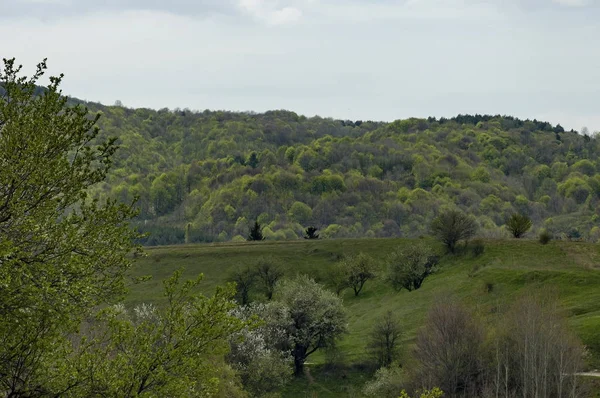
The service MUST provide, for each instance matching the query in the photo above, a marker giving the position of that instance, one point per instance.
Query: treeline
(215, 173)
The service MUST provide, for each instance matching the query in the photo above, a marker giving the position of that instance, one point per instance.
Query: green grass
(509, 267)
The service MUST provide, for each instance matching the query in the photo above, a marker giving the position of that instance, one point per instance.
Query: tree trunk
(299, 358)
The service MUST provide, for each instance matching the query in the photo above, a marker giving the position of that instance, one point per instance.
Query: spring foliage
(61, 253)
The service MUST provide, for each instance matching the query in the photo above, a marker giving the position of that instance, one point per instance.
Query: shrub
(477, 247)
(574, 234)
(387, 383)
(408, 268)
(453, 226)
(545, 237)
(518, 225)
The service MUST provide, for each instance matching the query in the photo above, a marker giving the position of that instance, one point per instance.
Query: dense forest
(207, 176)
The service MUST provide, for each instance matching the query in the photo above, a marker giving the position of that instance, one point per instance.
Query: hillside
(205, 176)
(487, 283)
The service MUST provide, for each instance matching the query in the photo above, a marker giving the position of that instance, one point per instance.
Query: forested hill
(205, 176)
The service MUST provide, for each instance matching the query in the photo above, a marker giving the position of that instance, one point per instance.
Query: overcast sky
(351, 59)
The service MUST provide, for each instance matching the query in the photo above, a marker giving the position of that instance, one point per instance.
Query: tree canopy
(62, 253)
(347, 178)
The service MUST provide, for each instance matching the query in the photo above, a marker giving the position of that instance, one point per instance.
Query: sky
(349, 59)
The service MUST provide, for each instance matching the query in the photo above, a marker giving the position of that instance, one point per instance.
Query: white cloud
(271, 12)
(284, 16)
(49, 2)
(572, 3)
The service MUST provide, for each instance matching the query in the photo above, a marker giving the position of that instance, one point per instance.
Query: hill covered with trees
(208, 176)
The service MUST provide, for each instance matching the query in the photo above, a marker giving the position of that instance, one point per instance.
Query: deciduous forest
(208, 176)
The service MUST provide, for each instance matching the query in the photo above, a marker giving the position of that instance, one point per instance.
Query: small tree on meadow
(256, 232)
(358, 270)
(408, 268)
(269, 272)
(311, 233)
(518, 225)
(453, 226)
(384, 340)
(244, 279)
(318, 317)
(337, 277)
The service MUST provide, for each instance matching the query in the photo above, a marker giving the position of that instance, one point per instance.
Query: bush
(477, 247)
(408, 268)
(545, 237)
(573, 234)
(452, 227)
(449, 350)
(387, 383)
(518, 225)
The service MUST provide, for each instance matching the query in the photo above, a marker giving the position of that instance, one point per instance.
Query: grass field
(487, 283)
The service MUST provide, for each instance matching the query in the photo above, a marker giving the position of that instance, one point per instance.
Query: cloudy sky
(351, 59)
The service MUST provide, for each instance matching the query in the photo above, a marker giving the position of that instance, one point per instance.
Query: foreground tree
(407, 268)
(61, 253)
(318, 317)
(449, 350)
(453, 226)
(261, 353)
(518, 225)
(175, 351)
(536, 353)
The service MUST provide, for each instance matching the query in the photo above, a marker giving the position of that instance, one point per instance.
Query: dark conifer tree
(256, 232)
(311, 233)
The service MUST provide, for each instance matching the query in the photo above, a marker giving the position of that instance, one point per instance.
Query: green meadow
(487, 283)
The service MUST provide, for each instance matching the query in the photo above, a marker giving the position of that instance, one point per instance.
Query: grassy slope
(512, 267)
